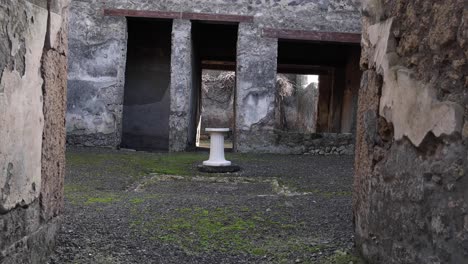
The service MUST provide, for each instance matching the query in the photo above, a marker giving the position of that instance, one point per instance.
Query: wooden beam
(142, 13)
(352, 38)
(178, 15)
(303, 69)
(219, 65)
(217, 17)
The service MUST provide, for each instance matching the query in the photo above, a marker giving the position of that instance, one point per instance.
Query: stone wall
(411, 183)
(33, 69)
(217, 100)
(98, 56)
(98, 50)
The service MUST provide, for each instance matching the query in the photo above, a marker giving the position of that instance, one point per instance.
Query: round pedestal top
(217, 129)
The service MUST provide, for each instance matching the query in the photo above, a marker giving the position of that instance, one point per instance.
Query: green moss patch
(103, 199)
(229, 230)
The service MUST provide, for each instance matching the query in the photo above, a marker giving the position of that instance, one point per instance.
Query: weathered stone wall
(98, 50)
(324, 144)
(411, 179)
(296, 109)
(33, 69)
(217, 100)
(98, 54)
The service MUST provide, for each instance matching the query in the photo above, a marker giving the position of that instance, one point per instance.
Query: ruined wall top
(319, 15)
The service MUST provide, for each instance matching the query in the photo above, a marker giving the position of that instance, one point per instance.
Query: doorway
(147, 79)
(215, 52)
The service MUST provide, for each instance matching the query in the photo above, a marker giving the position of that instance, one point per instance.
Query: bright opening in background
(217, 105)
(309, 79)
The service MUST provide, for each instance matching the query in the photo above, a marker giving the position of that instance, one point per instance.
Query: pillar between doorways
(181, 85)
(255, 91)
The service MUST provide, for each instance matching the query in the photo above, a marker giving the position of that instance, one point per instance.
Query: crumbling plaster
(410, 105)
(410, 203)
(21, 115)
(33, 56)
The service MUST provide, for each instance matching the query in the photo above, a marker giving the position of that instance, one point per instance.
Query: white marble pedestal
(217, 158)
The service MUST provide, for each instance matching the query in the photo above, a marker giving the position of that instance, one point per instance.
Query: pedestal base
(217, 163)
(222, 169)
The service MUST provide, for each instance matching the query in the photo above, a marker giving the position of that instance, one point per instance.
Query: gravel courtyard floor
(138, 207)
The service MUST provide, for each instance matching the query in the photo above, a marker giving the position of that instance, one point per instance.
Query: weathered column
(33, 70)
(411, 181)
(256, 87)
(181, 85)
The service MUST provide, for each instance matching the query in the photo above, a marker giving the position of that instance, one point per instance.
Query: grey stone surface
(287, 142)
(256, 86)
(296, 104)
(96, 75)
(98, 56)
(181, 84)
(217, 100)
(25, 238)
(323, 15)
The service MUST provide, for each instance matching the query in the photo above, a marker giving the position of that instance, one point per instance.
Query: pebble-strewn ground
(136, 207)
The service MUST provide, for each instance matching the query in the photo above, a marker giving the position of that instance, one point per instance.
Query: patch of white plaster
(54, 28)
(21, 120)
(14, 40)
(410, 105)
(83, 124)
(257, 107)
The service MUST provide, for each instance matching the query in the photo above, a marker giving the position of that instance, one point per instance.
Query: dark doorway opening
(215, 55)
(147, 79)
(337, 68)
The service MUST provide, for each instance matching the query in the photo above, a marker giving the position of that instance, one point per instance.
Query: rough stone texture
(256, 83)
(181, 84)
(96, 74)
(217, 100)
(410, 202)
(25, 238)
(54, 70)
(287, 142)
(296, 104)
(98, 55)
(289, 132)
(32, 135)
(322, 15)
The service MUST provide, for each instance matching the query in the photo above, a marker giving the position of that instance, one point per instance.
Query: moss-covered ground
(117, 202)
